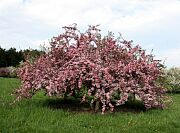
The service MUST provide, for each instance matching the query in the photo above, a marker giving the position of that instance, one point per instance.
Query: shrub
(8, 72)
(12, 72)
(111, 69)
(171, 79)
(4, 72)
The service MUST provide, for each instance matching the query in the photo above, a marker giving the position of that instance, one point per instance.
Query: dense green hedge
(12, 57)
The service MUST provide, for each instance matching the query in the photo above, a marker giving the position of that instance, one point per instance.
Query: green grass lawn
(41, 114)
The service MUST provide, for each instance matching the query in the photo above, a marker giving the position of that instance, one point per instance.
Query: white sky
(154, 24)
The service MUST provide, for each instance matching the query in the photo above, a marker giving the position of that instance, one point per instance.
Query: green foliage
(3, 61)
(12, 57)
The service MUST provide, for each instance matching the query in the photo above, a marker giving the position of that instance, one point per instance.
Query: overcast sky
(154, 24)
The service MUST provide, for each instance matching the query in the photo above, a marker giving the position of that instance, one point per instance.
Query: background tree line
(12, 57)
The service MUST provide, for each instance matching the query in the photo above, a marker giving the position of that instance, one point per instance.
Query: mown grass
(43, 115)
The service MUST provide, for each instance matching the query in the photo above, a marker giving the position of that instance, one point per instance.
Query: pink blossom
(111, 67)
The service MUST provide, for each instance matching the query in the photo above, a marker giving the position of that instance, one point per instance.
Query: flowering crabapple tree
(105, 70)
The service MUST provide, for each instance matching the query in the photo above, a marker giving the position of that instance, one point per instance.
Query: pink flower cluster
(110, 68)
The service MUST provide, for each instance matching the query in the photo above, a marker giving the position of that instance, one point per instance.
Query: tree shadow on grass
(132, 107)
(74, 105)
(70, 105)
